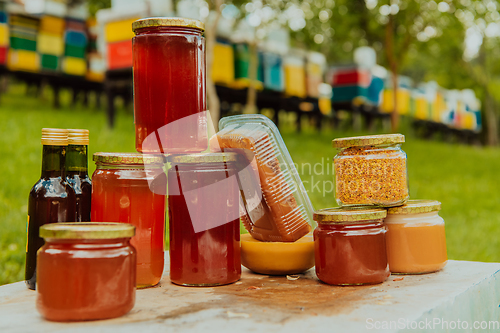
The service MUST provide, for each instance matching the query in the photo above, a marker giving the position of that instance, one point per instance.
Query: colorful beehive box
(242, 67)
(295, 74)
(315, 72)
(223, 64)
(272, 71)
(23, 60)
(74, 66)
(119, 31)
(119, 55)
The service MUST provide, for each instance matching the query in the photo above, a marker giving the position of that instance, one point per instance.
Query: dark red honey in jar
(349, 246)
(128, 188)
(86, 271)
(203, 208)
(169, 85)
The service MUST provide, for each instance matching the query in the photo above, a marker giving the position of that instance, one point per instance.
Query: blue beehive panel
(348, 93)
(3, 17)
(272, 71)
(374, 90)
(76, 38)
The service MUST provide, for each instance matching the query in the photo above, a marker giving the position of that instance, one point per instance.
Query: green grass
(465, 179)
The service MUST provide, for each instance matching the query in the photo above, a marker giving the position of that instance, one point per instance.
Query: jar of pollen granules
(371, 170)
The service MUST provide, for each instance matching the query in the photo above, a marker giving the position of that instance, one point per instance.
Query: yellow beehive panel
(4, 34)
(22, 60)
(403, 96)
(438, 107)
(74, 66)
(94, 76)
(223, 64)
(119, 31)
(52, 25)
(387, 103)
(421, 108)
(295, 81)
(50, 44)
(325, 105)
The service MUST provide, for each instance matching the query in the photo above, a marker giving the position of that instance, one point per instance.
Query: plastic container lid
(276, 202)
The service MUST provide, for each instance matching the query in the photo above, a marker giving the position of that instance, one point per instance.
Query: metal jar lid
(415, 207)
(341, 215)
(87, 230)
(368, 140)
(204, 158)
(128, 158)
(167, 22)
(78, 136)
(54, 137)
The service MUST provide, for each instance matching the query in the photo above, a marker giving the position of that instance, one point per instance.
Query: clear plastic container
(371, 170)
(416, 239)
(276, 203)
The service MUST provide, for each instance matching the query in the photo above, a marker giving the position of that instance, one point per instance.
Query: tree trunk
(252, 75)
(211, 39)
(391, 57)
(491, 120)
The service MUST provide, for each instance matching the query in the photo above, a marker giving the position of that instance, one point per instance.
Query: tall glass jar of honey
(204, 223)
(169, 85)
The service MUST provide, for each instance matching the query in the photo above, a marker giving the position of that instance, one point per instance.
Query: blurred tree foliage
(426, 40)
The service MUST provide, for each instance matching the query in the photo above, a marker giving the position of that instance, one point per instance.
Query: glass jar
(349, 246)
(86, 271)
(416, 240)
(169, 85)
(130, 188)
(203, 210)
(371, 170)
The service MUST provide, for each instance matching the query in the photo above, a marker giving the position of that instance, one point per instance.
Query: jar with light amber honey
(416, 240)
(130, 188)
(85, 271)
(371, 170)
(349, 246)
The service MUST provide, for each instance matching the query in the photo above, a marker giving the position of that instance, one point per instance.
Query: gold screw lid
(368, 140)
(54, 137)
(204, 158)
(415, 207)
(78, 136)
(128, 158)
(167, 22)
(342, 215)
(87, 230)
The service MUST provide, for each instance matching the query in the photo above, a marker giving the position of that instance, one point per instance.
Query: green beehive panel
(242, 63)
(22, 44)
(74, 51)
(50, 62)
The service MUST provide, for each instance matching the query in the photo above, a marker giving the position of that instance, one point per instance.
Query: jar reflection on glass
(130, 188)
(203, 207)
(86, 271)
(350, 246)
(169, 85)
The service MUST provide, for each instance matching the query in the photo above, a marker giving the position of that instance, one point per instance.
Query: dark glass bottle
(77, 172)
(51, 199)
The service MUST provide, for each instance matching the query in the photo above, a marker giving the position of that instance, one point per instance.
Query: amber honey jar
(204, 219)
(349, 246)
(416, 239)
(130, 188)
(371, 170)
(86, 271)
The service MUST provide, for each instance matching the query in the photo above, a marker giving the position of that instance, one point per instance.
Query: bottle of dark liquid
(76, 172)
(51, 199)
